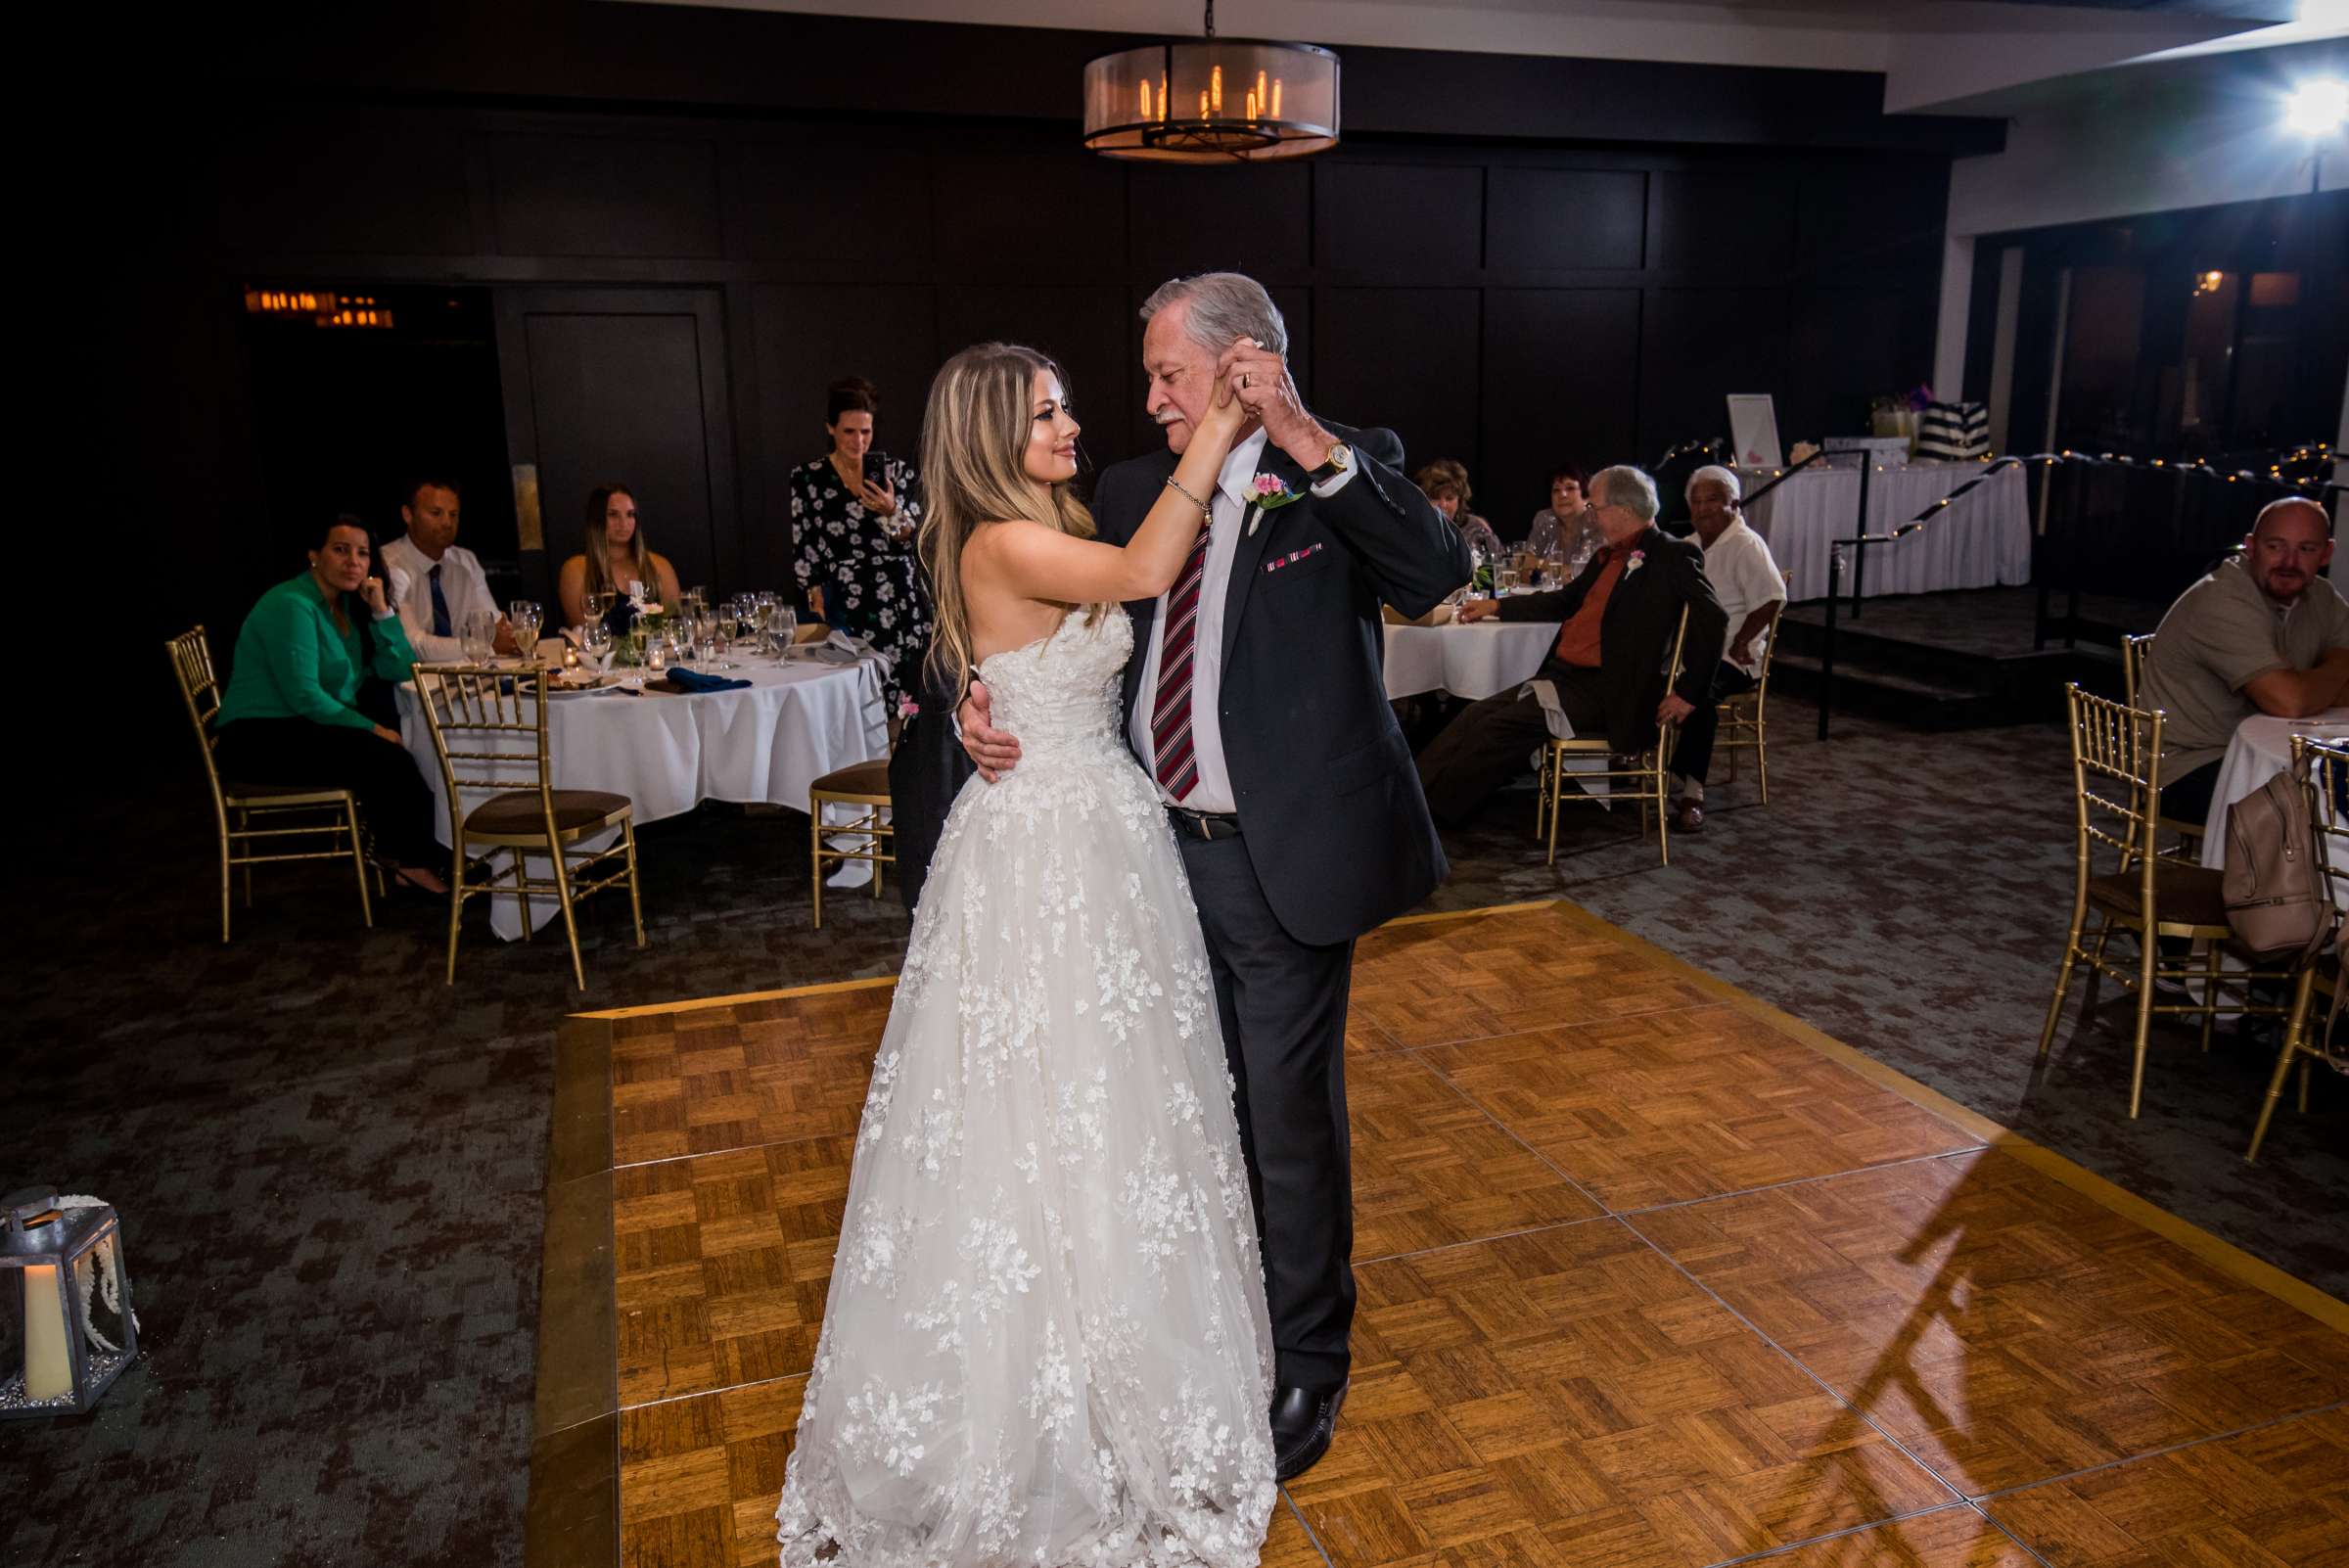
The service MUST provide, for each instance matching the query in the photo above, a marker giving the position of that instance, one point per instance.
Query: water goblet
(782, 626)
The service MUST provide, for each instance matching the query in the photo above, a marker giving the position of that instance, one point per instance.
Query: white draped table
(2261, 749)
(1980, 542)
(1471, 661)
(764, 743)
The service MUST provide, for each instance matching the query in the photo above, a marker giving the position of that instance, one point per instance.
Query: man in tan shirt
(2262, 634)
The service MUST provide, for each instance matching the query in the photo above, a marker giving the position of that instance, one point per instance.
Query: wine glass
(595, 645)
(526, 618)
(477, 636)
(1504, 579)
(598, 602)
(782, 626)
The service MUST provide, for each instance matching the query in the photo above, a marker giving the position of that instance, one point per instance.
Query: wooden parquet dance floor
(1649, 1276)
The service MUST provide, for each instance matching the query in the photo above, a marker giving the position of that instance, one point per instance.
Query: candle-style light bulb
(1215, 90)
(1252, 107)
(1161, 96)
(1203, 103)
(1262, 97)
(1145, 100)
(1277, 98)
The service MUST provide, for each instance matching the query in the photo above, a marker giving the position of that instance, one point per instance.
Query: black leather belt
(1203, 824)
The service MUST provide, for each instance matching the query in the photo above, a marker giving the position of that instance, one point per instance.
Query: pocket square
(1292, 558)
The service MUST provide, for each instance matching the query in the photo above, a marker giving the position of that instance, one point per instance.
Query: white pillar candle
(48, 1369)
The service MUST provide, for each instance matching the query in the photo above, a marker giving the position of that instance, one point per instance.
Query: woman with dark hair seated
(1567, 528)
(290, 713)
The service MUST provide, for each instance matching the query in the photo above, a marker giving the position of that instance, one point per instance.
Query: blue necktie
(440, 623)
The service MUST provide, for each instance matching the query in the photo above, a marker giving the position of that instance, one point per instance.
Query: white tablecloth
(1467, 660)
(2261, 749)
(764, 743)
(1981, 541)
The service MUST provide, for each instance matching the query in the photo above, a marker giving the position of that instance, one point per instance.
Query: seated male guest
(436, 582)
(2261, 634)
(1752, 591)
(1609, 663)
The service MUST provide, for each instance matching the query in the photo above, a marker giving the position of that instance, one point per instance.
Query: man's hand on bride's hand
(992, 750)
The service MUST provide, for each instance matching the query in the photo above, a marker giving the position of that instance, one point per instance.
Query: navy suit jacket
(1328, 798)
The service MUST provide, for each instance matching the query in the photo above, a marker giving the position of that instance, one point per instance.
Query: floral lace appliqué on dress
(1045, 1344)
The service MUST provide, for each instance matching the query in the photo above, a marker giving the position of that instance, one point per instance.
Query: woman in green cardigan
(289, 714)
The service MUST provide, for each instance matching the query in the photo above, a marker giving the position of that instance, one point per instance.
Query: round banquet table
(1471, 661)
(764, 743)
(2261, 749)
(1981, 541)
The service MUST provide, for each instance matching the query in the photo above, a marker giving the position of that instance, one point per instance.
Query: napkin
(693, 680)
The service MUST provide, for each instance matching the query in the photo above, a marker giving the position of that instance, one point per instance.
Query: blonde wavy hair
(974, 444)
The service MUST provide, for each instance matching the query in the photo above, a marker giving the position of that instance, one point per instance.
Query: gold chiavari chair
(2322, 769)
(256, 821)
(2135, 650)
(2116, 791)
(488, 727)
(864, 789)
(1644, 781)
(1743, 725)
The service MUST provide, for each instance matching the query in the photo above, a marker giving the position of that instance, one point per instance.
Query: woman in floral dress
(854, 512)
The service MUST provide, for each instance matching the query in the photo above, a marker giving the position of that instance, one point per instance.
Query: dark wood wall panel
(346, 183)
(1737, 221)
(1398, 219)
(1254, 220)
(1402, 358)
(808, 335)
(1697, 346)
(1560, 381)
(832, 200)
(606, 195)
(1566, 217)
(1029, 216)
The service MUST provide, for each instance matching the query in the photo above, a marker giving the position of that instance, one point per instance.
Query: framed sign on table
(1754, 430)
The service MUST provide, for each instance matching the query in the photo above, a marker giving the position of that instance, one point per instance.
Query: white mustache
(1173, 416)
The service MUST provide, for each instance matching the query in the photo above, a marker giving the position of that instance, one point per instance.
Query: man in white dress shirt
(1752, 591)
(438, 582)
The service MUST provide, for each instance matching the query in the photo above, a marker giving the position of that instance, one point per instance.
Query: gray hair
(1224, 305)
(1714, 474)
(1628, 487)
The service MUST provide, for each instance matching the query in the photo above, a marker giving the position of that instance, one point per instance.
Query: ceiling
(1940, 56)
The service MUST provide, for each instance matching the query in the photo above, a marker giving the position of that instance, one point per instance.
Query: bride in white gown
(1045, 1342)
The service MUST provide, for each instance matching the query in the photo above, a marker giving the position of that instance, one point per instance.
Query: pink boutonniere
(1267, 492)
(907, 708)
(1638, 559)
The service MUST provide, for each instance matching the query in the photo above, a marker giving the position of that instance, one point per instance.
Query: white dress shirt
(1213, 792)
(1744, 579)
(463, 584)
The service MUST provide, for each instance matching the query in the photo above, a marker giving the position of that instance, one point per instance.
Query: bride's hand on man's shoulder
(992, 751)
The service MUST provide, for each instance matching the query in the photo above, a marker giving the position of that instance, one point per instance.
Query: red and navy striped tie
(1171, 707)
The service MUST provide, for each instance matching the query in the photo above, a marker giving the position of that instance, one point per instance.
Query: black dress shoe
(1302, 1420)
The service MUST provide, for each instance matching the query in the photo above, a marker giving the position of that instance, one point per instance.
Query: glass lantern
(66, 1329)
(1212, 101)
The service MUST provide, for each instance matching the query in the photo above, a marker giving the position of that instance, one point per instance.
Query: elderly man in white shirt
(1752, 589)
(435, 582)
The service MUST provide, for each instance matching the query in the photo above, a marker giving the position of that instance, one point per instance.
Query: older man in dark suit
(1608, 663)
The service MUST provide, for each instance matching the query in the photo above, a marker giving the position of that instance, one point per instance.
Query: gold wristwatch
(1340, 458)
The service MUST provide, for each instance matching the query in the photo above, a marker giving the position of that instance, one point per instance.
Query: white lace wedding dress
(1045, 1342)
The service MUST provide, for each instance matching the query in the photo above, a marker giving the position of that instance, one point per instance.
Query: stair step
(1861, 670)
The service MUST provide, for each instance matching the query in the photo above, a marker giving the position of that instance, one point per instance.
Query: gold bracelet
(1205, 516)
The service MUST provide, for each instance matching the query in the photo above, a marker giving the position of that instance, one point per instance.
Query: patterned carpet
(330, 1165)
